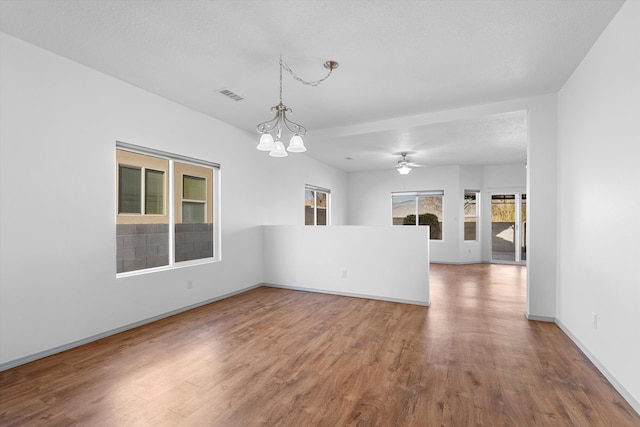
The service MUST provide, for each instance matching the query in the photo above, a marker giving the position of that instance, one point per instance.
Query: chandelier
(274, 146)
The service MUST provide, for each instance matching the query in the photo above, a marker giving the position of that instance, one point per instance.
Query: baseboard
(635, 404)
(539, 318)
(59, 349)
(349, 294)
(457, 262)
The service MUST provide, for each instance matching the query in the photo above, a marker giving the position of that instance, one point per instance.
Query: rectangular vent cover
(230, 94)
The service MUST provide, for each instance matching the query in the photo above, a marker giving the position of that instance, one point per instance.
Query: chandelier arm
(294, 127)
(269, 125)
(295, 77)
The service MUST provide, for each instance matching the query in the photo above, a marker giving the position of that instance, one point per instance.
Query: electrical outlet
(344, 274)
(594, 320)
(189, 284)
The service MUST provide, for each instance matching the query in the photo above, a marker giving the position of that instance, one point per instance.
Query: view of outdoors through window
(508, 218)
(144, 226)
(316, 205)
(471, 214)
(419, 208)
(508, 227)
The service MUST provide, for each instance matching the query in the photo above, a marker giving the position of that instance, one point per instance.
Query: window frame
(171, 197)
(315, 189)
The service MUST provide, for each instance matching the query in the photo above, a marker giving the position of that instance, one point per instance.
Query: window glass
(316, 206)
(144, 228)
(321, 208)
(430, 213)
(142, 225)
(418, 208)
(470, 226)
(309, 207)
(129, 191)
(471, 215)
(193, 213)
(404, 210)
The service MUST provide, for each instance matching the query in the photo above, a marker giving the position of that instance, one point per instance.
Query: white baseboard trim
(59, 349)
(457, 262)
(608, 375)
(539, 318)
(349, 294)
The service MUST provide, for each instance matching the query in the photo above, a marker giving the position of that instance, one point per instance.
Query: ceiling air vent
(230, 94)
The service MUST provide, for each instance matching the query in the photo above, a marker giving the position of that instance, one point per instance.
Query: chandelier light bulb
(296, 145)
(266, 143)
(279, 150)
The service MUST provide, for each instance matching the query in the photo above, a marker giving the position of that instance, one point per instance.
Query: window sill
(179, 265)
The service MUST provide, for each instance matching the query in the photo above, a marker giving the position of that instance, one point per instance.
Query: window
(471, 198)
(316, 205)
(419, 208)
(193, 211)
(155, 227)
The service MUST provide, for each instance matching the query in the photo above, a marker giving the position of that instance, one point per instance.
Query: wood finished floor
(285, 358)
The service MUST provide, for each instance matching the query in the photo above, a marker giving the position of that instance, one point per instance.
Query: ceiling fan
(404, 165)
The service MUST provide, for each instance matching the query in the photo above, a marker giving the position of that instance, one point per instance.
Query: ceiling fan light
(404, 169)
(296, 145)
(266, 143)
(279, 150)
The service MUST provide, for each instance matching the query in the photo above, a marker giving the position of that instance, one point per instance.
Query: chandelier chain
(280, 79)
(295, 77)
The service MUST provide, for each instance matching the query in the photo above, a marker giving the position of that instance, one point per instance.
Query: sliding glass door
(509, 227)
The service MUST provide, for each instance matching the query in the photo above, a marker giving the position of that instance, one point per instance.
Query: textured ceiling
(397, 58)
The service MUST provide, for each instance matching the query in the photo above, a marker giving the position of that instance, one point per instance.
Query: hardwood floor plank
(278, 357)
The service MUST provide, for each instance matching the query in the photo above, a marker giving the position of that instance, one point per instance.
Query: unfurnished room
(319, 213)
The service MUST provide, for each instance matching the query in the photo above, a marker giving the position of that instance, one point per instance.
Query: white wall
(504, 178)
(599, 177)
(58, 129)
(389, 263)
(542, 209)
(284, 186)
